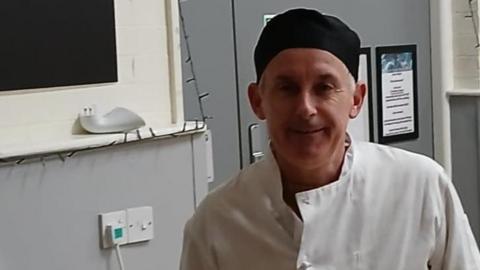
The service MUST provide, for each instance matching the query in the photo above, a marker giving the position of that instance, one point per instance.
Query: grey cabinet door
(378, 22)
(464, 119)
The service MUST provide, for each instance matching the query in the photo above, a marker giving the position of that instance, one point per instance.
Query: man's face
(306, 97)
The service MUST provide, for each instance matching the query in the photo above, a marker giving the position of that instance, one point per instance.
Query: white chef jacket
(390, 209)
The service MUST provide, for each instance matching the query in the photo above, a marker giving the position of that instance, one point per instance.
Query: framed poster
(361, 127)
(397, 93)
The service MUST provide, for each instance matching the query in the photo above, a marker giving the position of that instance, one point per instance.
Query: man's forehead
(297, 61)
(289, 77)
(307, 56)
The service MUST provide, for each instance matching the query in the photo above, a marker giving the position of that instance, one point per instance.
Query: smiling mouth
(311, 131)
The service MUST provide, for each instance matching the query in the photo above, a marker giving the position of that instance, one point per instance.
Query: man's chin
(309, 157)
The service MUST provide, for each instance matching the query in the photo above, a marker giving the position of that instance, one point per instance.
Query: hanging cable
(119, 257)
(69, 153)
(193, 79)
(474, 22)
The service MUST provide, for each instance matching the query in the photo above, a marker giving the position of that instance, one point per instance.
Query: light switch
(140, 224)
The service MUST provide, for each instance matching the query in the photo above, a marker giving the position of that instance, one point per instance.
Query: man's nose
(306, 105)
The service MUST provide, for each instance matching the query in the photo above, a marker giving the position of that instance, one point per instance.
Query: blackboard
(47, 43)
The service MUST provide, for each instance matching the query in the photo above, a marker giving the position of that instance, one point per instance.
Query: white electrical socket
(115, 219)
(140, 224)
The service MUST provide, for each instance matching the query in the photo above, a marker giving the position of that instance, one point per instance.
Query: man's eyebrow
(283, 78)
(326, 77)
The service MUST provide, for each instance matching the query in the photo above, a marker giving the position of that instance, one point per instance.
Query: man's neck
(296, 179)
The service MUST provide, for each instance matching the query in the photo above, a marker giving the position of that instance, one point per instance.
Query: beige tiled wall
(466, 57)
(45, 116)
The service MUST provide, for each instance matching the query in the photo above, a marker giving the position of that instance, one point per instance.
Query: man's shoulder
(388, 157)
(401, 171)
(238, 183)
(233, 194)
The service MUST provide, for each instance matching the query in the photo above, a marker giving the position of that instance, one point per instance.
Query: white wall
(49, 212)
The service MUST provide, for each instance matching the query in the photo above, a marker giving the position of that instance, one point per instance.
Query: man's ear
(358, 97)
(255, 98)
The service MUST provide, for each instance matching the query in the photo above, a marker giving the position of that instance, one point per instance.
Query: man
(319, 199)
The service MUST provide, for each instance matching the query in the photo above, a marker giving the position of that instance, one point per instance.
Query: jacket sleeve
(195, 255)
(455, 247)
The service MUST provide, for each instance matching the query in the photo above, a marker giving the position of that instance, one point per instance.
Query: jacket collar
(271, 178)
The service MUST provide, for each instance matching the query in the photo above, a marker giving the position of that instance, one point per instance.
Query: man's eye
(325, 87)
(287, 87)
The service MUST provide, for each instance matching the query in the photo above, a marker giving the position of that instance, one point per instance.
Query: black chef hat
(306, 28)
